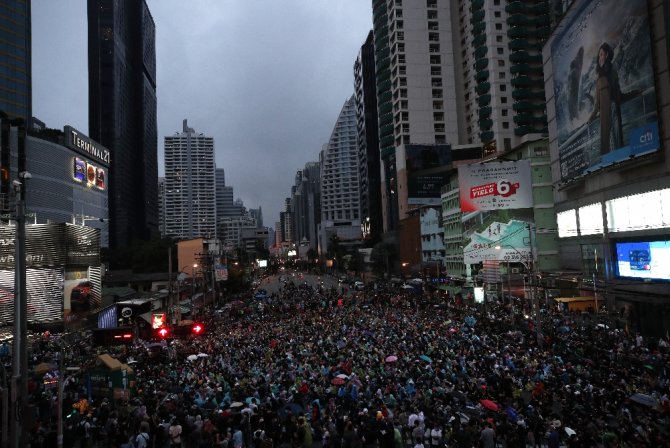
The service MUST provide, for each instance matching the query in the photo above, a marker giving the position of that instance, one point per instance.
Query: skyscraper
(122, 112)
(306, 204)
(15, 54)
(416, 85)
(368, 139)
(190, 188)
(340, 198)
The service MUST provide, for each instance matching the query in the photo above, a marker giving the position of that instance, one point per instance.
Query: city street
(311, 370)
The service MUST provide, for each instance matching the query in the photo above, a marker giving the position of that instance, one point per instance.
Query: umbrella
(192, 357)
(426, 358)
(563, 329)
(43, 368)
(202, 355)
(569, 431)
(343, 376)
(337, 381)
(293, 408)
(470, 321)
(236, 404)
(392, 358)
(644, 399)
(253, 400)
(488, 404)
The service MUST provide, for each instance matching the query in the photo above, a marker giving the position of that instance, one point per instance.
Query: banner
(495, 186)
(604, 89)
(500, 241)
(221, 272)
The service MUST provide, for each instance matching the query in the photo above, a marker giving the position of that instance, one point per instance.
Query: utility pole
(20, 334)
(533, 294)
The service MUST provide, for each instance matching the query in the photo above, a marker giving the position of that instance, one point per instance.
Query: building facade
(340, 198)
(368, 139)
(306, 204)
(122, 112)
(190, 186)
(611, 177)
(69, 184)
(15, 53)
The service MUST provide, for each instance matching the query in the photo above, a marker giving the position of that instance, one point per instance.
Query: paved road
(273, 283)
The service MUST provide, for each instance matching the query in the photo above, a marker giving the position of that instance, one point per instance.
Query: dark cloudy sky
(265, 78)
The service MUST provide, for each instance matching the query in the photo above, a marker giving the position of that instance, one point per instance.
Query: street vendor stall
(110, 379)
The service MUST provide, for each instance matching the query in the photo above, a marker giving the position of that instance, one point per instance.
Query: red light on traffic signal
(198, 329)
(163, 333)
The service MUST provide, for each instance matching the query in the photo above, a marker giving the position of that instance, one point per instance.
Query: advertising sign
(604, 88)
(495, 186)
(158, 320)
(425, 166)
(643, 259)
(221, 272)
(501, 241)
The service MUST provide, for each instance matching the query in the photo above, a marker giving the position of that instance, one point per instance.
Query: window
(499, 26)
(504, 112)
(503, 87)
(501, 75)
(499, 38)
(496, 14)
(501, 63)
(505, 125)
(503, 99)
(500, 50)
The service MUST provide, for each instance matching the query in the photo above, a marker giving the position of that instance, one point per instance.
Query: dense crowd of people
(382, 367)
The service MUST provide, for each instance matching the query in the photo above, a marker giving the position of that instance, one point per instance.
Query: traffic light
(163, 333)
(113, 336)
(197, 329)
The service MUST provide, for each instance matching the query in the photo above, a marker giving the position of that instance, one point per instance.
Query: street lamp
(531, 270)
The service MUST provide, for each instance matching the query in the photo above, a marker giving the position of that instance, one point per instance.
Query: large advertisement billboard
(604, 88)
(44, 290)
(495, 186)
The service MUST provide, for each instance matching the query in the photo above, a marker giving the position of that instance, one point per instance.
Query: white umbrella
(343, 376)
(569, 431)
(192, 357)
(236, 404)
(202, 355)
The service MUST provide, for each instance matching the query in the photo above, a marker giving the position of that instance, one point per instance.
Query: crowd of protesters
(383, 367)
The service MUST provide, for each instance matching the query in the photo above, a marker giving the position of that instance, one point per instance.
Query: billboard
(643, 259)
(604, 90)
(502, 237)
(495, 186)
(426, 166)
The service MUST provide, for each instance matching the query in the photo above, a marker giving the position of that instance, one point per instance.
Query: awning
(575, 299)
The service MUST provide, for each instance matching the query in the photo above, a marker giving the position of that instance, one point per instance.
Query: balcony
(483, 88)
(477, 17)
(478, 28)
(482, 75)
(527, 81)
(486, 136)
(520, 94)
(481, 64)
(484, 100)
(526, 106)
(479, 40)
(485, 124)
(526, 69)
(480, 52)
(477, 5)
(523, 56)
(485, 112)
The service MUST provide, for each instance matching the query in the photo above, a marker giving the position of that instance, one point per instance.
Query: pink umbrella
(392, 358)
(337, 381)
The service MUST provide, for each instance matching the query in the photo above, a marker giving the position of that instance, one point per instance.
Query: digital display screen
(643, 259)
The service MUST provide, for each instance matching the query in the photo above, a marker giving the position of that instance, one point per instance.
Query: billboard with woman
(604, 88)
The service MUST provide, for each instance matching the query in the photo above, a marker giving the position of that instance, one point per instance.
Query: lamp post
(531, 270)
(20, 335)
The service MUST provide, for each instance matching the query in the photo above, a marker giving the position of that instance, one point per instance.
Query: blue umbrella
(563, 329)
(470, 321)
(426, 358)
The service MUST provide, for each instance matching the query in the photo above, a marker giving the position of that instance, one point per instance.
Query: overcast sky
(266, 78)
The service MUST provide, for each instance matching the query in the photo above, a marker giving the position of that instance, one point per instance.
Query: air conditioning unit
(514, 270)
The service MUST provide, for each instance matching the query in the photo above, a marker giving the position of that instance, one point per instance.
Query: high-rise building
(161, 205)
(122, 112)
(340, 198)
(15, 54)
(368, 139)
(500, 63)
(190, 188)
(416, 85)
(306, 204)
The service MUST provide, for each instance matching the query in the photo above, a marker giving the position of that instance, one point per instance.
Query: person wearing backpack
(142, 439)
